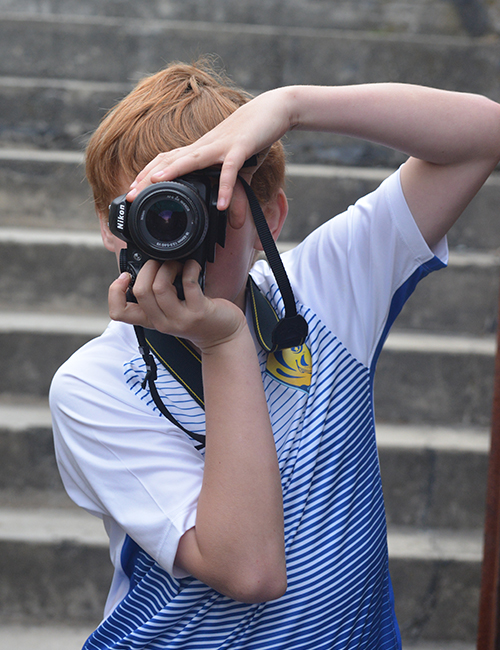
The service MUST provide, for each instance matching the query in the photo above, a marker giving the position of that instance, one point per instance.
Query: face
(227, 276)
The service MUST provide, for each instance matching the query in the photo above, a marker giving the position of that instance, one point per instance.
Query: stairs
(64, 63)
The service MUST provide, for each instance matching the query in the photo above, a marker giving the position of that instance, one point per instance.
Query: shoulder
(348, 270)
(103, 354)
(92, 384)
(107, 434)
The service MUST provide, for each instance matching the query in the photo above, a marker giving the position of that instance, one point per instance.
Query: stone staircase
(64, 63)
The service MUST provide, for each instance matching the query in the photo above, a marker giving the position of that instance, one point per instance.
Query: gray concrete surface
(426, 16)
(97, 48)
(59, 73)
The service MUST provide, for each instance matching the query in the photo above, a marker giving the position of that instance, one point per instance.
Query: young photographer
(273, 535)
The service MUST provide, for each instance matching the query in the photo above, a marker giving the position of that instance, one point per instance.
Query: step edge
(92, 238)
(40, 323)
(437, 438)
(60, 525)
(143, 25)
(406, 543)
(397, 341)
(21, 416)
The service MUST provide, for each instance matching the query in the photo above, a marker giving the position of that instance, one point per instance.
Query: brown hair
(167, 110)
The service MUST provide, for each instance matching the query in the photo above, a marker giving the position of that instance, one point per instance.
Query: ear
(108, 238)
(275, 211)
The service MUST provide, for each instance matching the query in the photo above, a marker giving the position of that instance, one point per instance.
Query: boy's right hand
(237, 544)
(204, 321)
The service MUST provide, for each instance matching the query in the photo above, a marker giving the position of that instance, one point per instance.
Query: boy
(274, 535)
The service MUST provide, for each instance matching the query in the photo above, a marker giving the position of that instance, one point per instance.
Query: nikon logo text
(120, 221)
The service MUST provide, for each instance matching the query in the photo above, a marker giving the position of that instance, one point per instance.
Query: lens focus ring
(168, 220)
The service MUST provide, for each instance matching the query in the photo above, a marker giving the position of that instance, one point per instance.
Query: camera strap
(184, 363)
(169, 350)
(273, 333)
(290, 331)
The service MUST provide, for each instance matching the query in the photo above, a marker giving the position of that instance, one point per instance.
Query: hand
(249, 131)
(205, 322)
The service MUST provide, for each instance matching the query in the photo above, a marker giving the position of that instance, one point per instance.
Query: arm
(237, 544)
(453, 140)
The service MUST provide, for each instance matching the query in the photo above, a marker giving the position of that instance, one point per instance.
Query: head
(171, 109)
(167, 110)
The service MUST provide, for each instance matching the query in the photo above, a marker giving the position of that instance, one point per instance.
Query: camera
(171, 220)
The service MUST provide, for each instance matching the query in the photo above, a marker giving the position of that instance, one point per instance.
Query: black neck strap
(273, 333)
(290, 331)
(150, 377)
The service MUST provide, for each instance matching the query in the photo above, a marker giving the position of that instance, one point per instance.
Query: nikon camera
(173, 220)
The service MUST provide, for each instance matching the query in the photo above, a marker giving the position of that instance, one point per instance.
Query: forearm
(435, 125)
(237, 545)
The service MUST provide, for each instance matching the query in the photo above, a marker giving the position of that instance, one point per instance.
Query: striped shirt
(350, 278)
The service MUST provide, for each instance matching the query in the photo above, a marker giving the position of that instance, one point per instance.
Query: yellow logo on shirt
(292, 366)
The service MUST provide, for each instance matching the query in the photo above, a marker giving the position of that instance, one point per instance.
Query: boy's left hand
(204, 321)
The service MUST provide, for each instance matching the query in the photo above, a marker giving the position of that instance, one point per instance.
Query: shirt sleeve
(119, 458)
(349, 270)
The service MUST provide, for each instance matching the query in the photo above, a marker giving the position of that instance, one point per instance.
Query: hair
(167, 110)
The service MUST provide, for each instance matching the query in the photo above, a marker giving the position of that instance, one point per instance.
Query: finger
(154, 285)
(157, 295)
(228, 176)
(138, 185)
(190, 283)
(189, 159)
(158, 162)
(147, 176)
(164, 286)
(239, 207)
(122, 310)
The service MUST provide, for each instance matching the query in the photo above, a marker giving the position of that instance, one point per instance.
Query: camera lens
(166, 221)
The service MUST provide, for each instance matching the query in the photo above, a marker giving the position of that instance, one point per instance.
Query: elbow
(492, 127)
(256, 585)
(245, 577)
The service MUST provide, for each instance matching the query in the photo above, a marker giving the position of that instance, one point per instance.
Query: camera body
(171, 220)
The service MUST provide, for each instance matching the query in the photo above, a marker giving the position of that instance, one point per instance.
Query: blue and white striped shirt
(350, 278)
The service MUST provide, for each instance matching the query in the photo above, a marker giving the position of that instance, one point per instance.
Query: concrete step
(318, 192)
(461, 299)
(42, 189)
(119, 50)
(436, 379)
(62, 271)
(46, 637)
(53, 113)
(434, 477)
(429, 16)
(62, 558)
(60, 114)
(59, 271)
(33, 346)
(28, 474)
(54, 565)
(423, 468)
(45, 189)
(436, 577)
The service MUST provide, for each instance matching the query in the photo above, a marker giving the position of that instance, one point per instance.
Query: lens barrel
(169, 221)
